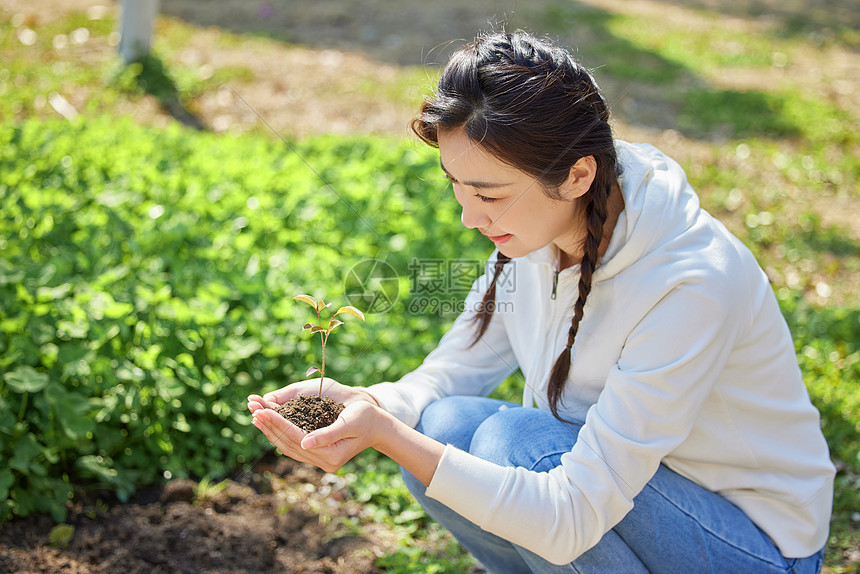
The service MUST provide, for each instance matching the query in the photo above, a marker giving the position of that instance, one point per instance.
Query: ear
(579, 180)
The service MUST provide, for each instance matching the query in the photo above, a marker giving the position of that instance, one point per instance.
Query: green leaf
(7, 417)
(25, 451)
(53, 293)
(26, 379)
(116, 310)
(25, 501)
(61, 535)
(306, 299)
(96, 466)
(70, 409)
(333, 324)
(9, 274)
(7, 479)
(351, 310)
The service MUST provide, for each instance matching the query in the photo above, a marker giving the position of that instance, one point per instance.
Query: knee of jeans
(499, 438)
(442, 419)
(528, 438)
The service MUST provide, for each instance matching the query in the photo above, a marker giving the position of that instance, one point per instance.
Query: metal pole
(136, 28)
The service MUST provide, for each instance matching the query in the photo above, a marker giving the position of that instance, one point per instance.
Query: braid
(485, 312)
(596, 210)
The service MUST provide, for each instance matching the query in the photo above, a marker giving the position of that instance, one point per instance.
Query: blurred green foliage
(146, 279)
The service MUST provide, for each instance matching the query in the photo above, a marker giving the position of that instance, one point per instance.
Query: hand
(362, 424)
(328, 448)
(331, 388)
(357, 428)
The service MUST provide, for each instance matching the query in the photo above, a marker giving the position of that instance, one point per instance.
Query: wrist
(385, 431)
(407, 447)
(371, 398)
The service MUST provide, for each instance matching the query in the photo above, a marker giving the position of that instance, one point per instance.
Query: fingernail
(309, 442)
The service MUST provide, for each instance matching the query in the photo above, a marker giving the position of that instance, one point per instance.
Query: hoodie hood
(659, 205)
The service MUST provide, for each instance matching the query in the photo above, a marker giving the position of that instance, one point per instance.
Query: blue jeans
(676, 526)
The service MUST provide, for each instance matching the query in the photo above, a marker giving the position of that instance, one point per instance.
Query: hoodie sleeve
(648, 406)
(454, 367)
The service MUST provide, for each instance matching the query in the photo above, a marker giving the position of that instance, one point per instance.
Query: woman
(673, 431)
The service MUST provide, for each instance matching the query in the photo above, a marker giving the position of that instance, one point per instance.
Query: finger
(284, 394)
(327, 436)
(276, 422)
(255, 404)
(261, 402)
(282, 433)
(349, 424)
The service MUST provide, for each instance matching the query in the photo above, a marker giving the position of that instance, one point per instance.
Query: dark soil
(310, 412)
(284, 517)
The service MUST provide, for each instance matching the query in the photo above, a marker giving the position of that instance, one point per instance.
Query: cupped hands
(359, 426)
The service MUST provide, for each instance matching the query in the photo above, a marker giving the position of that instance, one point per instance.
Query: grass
(774, 156)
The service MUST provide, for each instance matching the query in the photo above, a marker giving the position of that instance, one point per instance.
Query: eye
(486, 199)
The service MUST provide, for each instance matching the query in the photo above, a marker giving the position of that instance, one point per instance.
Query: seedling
(324, 332)
(310, 412)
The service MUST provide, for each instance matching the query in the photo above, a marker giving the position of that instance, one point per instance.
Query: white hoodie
(682, 357)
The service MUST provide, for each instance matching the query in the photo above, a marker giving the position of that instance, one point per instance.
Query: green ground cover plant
(146, 280)
(145, 274)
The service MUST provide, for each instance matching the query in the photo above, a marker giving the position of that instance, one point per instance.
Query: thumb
(326, 436)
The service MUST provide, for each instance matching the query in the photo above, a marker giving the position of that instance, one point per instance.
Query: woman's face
(508, 205)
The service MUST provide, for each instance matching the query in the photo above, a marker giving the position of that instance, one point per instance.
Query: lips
(498, 238)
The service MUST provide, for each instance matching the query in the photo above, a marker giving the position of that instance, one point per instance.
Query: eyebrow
(477, 184)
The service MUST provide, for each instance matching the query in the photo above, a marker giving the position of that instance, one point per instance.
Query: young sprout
(324, 331)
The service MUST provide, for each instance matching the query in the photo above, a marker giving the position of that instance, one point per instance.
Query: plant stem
(324, 338)
(23, 407)
(323, 341)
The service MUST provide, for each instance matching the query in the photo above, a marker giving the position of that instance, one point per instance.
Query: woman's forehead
(464, 159)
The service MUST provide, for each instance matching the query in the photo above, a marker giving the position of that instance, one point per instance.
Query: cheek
(549, 222)
(535, 220)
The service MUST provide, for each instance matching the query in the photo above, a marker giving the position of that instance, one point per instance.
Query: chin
(509, 252)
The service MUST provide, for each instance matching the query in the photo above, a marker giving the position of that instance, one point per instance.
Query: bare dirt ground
(284, 517)
(326, 76)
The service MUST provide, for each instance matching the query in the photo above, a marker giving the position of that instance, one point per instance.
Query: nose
(473, 215)
(472, 219)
